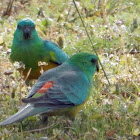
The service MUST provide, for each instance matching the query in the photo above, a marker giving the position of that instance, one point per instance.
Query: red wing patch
(45, 87)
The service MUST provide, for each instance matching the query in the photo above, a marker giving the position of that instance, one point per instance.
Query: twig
(132, 51)
(39, 129)
(28, 73)
(20, 85)
(91, 41)
(9, 8)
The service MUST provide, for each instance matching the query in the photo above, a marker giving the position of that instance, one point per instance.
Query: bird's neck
(89, 73)
(29, 43)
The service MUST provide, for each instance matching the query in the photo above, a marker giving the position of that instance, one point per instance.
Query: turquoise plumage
(60, 91)
(30, 48)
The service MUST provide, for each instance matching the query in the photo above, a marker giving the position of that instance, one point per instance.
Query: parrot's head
(25, 30)
(87, 62)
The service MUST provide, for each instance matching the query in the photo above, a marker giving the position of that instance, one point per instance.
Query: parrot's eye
(18, 26)
(93, 60)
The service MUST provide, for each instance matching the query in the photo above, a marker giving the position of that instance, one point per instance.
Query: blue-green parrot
(60, 91)
(29, 48)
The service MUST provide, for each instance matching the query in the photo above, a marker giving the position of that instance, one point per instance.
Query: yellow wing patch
(53, 56)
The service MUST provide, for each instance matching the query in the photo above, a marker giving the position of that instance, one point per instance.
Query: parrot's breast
(35, 73)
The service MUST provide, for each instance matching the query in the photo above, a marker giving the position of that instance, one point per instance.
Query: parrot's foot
(44, 120)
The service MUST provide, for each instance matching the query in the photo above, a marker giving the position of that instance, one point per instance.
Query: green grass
(113, 112)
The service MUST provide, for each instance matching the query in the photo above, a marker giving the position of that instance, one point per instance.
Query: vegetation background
(113, 112)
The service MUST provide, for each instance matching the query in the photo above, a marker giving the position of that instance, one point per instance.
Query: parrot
(30, 49)
(62, 90)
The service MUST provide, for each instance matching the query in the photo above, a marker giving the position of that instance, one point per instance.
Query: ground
(113, 111)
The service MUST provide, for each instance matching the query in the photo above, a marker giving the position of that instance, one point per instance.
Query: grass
(113, 112)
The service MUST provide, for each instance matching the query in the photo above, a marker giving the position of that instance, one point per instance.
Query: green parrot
(30, 48)
(60, 91)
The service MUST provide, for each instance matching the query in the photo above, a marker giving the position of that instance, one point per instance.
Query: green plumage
(60, 91)
(30, 48)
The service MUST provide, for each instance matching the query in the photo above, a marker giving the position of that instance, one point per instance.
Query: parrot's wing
(57, 55)
(50, 75)
(52, 43)
(44, 78)
(68, 90)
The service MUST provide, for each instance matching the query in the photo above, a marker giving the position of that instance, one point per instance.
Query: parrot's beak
(27, 32)
(97, 66)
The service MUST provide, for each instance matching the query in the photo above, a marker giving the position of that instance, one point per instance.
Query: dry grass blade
(91, 41)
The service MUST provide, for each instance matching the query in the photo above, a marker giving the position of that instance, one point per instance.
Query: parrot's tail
(26, 111)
